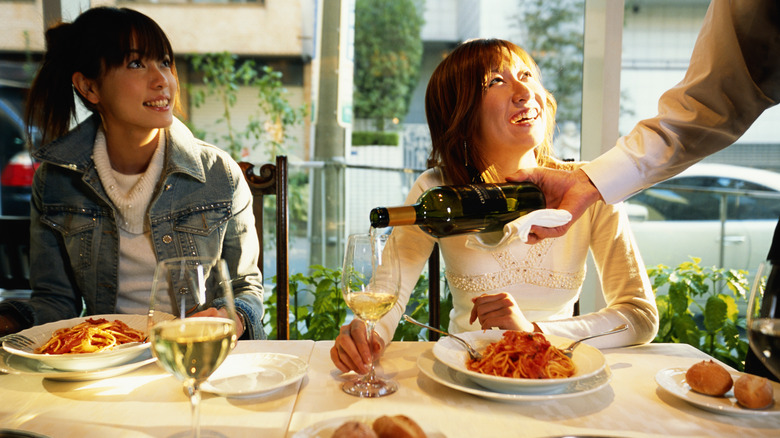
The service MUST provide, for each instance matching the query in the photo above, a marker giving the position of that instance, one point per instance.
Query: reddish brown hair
(453, 100)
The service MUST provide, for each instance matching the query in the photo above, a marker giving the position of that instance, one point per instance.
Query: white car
(723, 214)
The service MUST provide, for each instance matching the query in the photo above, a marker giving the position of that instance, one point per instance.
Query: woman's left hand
(222, 313)
(500, 311)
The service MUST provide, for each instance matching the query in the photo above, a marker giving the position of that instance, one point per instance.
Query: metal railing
(364, 187)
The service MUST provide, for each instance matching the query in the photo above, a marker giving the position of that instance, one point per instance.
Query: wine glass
(192, 321)
(763, 317)
(371, 279)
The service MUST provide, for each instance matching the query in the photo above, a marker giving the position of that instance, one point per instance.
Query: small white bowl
(83, 361)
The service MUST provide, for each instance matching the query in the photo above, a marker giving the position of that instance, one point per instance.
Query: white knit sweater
(131, 195)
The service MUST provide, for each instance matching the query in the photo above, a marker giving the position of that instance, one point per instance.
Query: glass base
(376, 387)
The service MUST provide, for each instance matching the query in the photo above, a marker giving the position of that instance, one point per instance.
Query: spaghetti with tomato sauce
(90, 336)
(523, 355)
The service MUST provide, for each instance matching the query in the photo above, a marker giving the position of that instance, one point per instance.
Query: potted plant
(701, 306)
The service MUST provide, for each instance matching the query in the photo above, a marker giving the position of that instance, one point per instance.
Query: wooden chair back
(272, 179)
(434, 293)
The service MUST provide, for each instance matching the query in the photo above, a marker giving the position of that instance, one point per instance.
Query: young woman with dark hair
(130, 185)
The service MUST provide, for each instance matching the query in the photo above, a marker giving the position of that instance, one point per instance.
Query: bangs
(135, 36)
(501, 54)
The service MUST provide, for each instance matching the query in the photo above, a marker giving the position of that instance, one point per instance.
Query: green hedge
(374, 138)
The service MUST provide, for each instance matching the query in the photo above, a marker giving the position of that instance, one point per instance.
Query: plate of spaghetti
(520, 362)
(86, 343)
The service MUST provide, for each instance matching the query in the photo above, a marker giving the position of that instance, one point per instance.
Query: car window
(747, 208)
(672, 205)
(677, 200)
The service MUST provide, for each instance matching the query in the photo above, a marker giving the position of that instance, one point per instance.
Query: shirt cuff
(615, 175)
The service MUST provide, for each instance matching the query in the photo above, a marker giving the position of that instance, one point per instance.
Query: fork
(473, 353)
(570, 349)
(19, 342)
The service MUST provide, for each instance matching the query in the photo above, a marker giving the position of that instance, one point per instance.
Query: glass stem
(194, 392)
(371, 376)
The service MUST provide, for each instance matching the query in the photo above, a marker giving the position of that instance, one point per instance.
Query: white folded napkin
(518, 229)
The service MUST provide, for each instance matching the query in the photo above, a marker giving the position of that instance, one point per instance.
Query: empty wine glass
(763, 316)
(371, 279)
(192, 321)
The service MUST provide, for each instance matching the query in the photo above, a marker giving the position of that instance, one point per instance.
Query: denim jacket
(201, 207)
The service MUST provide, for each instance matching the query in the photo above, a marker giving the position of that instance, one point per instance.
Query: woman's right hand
(500, 311)
(351, 352)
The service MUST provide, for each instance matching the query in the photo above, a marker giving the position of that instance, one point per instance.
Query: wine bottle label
(482, 197)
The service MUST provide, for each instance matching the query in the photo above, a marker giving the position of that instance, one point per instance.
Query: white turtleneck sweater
(131, 195)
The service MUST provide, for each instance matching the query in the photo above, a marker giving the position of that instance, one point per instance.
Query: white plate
(251, 374)
(673, 380)
(13, 364)
(85, 361)
(588, 361)
(325, 428)
(447, 376)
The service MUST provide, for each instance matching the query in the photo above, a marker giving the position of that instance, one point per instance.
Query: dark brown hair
(453, 100)
(99, 40)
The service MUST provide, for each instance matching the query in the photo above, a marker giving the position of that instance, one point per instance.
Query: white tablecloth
(631, 406)
(150, 403)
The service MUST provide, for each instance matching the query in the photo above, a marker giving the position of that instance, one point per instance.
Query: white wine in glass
(192, 322)
(370, 282)
(763, 316)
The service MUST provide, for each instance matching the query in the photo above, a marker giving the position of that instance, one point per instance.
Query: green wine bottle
(474, 208)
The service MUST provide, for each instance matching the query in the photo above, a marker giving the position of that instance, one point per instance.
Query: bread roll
(399, 426)
(753, 392)
(354, 429)
(707, 377)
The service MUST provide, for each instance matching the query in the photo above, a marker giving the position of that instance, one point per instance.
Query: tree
(388, 51)
(553, 35)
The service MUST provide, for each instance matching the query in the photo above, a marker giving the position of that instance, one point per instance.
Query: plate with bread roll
(367, 426)
(710, 386)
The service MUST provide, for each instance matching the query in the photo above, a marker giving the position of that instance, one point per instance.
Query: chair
(434, 292)
(14, 257)
(272, 180)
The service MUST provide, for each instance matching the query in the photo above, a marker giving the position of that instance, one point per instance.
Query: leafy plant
(269, 126)
(318, 309)
(418, 308)
(701, 308)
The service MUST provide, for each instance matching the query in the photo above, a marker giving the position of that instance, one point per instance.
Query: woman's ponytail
(51, 105)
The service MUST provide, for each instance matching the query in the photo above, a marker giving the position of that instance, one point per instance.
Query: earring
(466, 153)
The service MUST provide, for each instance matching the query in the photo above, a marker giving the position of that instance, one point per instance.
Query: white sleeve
(627, 290)
(414, 248)
(734, 75)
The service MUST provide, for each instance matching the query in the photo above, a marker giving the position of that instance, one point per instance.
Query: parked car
(16, 164)
(682, 217)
